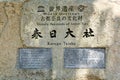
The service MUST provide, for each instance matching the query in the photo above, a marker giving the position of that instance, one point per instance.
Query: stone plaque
(35, 58)
(59, 23)
(84, 58)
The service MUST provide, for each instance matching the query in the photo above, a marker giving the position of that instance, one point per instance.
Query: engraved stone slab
(84, 58)
(44, 18)
(35, 58)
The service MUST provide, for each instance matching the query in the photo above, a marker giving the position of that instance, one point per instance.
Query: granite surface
(20, 19)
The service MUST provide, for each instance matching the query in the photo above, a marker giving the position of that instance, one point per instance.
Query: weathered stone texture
(17, 25)
(9, 38)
